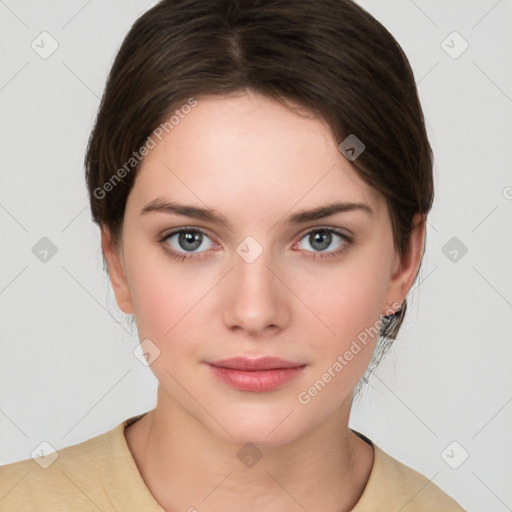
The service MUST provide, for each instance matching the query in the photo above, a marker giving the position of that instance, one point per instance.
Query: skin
(255, 162)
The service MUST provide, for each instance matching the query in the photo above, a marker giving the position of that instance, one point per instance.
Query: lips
(262, 363)
(256, 375)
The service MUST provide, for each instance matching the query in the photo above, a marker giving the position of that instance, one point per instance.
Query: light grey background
(67, 369)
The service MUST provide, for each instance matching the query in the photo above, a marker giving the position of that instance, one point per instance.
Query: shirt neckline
(139, 494)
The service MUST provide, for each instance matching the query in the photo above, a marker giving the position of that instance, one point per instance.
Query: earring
(393, 311)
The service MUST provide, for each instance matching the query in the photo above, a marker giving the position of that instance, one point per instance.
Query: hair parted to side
(329, 56)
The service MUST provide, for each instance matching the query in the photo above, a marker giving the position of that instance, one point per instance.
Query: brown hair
(329, 56)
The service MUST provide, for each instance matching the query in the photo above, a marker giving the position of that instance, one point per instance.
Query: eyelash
(347, 241)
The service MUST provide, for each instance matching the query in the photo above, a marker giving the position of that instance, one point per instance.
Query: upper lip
(254, 364)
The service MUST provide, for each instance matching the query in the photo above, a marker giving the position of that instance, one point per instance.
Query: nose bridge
(256, 300)
(254, 275)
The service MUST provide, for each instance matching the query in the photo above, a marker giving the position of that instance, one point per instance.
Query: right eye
(185, 242)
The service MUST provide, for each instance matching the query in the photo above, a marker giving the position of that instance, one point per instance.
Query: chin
(261, 425)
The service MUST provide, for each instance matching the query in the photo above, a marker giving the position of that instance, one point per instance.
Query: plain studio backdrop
(441, 400)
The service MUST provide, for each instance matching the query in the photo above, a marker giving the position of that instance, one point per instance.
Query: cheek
(347, 300)
(173, 304)
(163, 292)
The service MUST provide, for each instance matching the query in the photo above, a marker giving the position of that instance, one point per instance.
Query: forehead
(252, 154)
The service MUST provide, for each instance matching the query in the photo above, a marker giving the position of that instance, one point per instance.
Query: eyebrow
(206, 214)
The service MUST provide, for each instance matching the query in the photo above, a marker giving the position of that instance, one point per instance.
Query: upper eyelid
(306, 231)
(175, 231)
(341, 231)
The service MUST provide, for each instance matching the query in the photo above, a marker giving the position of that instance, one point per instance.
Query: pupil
(320, 240)
(190, 240)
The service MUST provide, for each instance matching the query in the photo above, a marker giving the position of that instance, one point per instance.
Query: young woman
(261, 176)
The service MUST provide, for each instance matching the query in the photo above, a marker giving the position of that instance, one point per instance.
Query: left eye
(323, 240)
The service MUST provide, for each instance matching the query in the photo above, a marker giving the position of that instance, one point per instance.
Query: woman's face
(259, 269)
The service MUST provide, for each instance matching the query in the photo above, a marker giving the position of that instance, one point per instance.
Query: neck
(186, 467)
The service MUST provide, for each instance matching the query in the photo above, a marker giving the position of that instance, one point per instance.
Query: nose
(256, 300)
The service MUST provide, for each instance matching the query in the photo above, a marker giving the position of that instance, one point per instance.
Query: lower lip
(257, 380)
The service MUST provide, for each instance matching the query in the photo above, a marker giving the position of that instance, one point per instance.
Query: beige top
(101, 474)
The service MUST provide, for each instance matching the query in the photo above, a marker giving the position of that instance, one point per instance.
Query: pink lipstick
(256, 375)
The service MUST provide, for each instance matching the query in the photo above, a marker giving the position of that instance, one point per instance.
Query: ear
(406, 267)
(114, 258)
